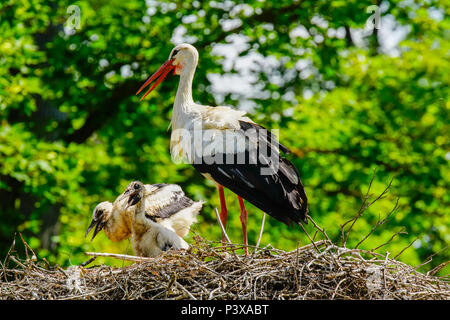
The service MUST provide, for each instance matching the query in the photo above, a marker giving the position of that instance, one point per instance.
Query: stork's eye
(175, 53)
(100, 211)
(136, 187)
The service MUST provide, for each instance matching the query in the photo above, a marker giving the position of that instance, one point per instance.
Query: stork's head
(183, 59)
(100, 217)
(135, 192)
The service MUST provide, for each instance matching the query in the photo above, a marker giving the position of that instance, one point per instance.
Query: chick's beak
(133, 199)
(162, 72)
(98, 226)
(124, 194)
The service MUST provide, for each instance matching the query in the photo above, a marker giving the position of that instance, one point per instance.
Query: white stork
(166, 203)
(149, 237)
(216, 139)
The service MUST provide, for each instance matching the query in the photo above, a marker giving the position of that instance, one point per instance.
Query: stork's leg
(244, 223)
(223, 211)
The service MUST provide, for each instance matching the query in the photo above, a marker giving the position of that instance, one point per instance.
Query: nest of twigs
(320, 270)
(316, 271)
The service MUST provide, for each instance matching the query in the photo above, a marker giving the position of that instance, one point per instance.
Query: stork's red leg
(223, 210)
(244, 223)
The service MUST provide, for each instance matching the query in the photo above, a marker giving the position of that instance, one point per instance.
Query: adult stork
(220, 142)
(167, 204)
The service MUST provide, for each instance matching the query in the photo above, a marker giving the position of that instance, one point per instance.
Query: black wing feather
(176, 202)
(248, 125)
(280, 194)
(174, 207)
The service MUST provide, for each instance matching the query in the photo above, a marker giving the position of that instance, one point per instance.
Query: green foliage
(73, 133)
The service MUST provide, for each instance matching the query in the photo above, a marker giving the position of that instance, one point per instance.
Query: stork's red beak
(162, 72)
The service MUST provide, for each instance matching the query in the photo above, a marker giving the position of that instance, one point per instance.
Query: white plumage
(149, 237)
(116, 219)
(170, 207)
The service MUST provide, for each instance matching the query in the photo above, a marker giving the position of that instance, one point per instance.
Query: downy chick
(149, 238)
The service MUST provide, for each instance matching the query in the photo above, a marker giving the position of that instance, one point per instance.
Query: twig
(439, 267)
(430, 258)
(379, 223)
(84, 264)
(360, 211)
(225, 233)
(18, 262)
(363, 208)
(307, 234)
(184, 290)
(335, 290)
(320, 229)
(326, 236)
(26, 245)
(402, 231)
(409, 245)
(221, 226)
(261, 229)
(384, 274)
(119, 256)
(11, 249)
(306, 247)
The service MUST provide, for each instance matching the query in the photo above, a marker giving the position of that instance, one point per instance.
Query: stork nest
(316, 271)
(320, 270)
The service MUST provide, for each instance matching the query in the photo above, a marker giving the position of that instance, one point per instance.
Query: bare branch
(363, 208)
(430, 258)
(409, 245)
(319, 228)
(261, 229)
(436, 269)
(221, 226)
(379, 223)
(119, 256)
(360, 212)
(402, 231)
(307, 234)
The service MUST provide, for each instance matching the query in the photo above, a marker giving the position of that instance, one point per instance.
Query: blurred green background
(347, 98)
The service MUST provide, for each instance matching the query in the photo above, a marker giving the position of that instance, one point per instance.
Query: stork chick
(149, 238)
(113, 219)
(171, 208)
(166, 203)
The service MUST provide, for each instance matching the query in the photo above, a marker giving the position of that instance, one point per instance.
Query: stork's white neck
(183, 99)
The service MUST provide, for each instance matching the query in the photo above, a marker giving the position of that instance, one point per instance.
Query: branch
(409, 245)
(402, 231)
(439, 267)
(261, 229)
(221, 226)
(359, 214)
(430, 258)
(364, 208)
(379, 223)
(119, 256)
